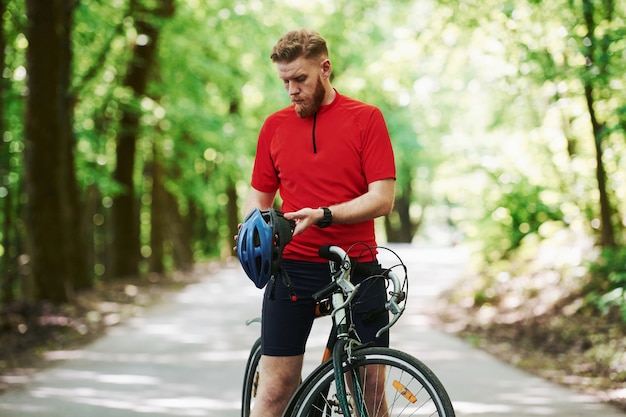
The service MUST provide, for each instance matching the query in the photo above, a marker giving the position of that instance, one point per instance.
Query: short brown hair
(299, 43)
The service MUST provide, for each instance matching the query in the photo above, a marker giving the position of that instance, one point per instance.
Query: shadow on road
(185, 357)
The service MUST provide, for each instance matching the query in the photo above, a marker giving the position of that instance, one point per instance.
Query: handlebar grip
(326, 253)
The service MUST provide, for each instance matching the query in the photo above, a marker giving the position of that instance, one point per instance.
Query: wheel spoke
(381, 382)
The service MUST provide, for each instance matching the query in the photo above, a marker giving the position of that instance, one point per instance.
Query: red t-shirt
(324, 160)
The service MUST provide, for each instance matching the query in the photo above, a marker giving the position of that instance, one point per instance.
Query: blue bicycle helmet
(262, 238)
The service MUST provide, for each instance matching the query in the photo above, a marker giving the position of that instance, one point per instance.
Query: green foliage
(522, 210)
(485, 103)
(606, 289)
(526, 154)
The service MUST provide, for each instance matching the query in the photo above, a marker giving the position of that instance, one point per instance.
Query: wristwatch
(327, 219)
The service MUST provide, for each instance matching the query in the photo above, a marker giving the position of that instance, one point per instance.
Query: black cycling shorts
(286, 324)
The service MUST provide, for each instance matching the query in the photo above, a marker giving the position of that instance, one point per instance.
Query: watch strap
(327, 220)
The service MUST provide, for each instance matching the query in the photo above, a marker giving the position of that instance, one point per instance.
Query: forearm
(257, 199)
(376, 202)
(366, 207)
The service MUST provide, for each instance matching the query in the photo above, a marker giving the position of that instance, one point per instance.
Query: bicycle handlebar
(397, 296)
(332, 253)
(341, 266)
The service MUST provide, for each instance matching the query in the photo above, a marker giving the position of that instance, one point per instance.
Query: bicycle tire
(251, 379)
(411, 388)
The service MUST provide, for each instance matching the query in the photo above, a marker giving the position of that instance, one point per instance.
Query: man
(331, 160)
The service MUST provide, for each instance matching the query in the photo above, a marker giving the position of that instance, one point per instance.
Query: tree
(7, 280)
(125, 212)
(559, 86)
(53, 211)
(158, 213)
(597, 57)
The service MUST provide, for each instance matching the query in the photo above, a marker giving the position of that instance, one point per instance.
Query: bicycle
(355, 379)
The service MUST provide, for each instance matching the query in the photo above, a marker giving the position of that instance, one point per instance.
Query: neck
(329, 96)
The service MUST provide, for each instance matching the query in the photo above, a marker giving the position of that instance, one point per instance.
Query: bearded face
(310, 105)
(304, 82)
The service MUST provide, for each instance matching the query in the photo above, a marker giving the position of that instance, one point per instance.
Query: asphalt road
(185, 357)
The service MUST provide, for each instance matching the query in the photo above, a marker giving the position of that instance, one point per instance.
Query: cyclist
(330, 158)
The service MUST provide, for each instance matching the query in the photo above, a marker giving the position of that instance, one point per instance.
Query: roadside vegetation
(129, 130)
(540, 311)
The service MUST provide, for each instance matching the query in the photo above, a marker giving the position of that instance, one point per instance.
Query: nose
(292, 88)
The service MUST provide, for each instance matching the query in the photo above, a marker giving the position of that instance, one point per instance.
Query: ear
(325, 68)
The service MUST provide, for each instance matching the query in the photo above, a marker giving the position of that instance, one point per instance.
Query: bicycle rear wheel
(251, 379)
(383, 381)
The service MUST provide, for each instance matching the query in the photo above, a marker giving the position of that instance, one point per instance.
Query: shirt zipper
(313, 133)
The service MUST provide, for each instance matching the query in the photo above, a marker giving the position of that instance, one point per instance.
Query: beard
(310, 107)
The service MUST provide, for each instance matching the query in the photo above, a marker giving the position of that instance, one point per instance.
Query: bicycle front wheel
(381, 382)
(251, 379)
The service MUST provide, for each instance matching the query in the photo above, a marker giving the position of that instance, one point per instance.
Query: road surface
(185, 357)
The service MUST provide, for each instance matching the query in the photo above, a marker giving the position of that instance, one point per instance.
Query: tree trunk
(232, 208)
(607, 233)
(232, 213)
(52, 209)
(157, 214)
(179, 233)
(125, 212)
(404, 230)
(7, 254)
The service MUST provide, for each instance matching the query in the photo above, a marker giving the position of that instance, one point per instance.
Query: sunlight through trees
(507, 118)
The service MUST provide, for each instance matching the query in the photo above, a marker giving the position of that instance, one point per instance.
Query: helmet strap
(288, 284)
(286, 280)
(272, 288)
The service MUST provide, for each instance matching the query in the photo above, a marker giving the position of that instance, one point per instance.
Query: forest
(129, 130)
